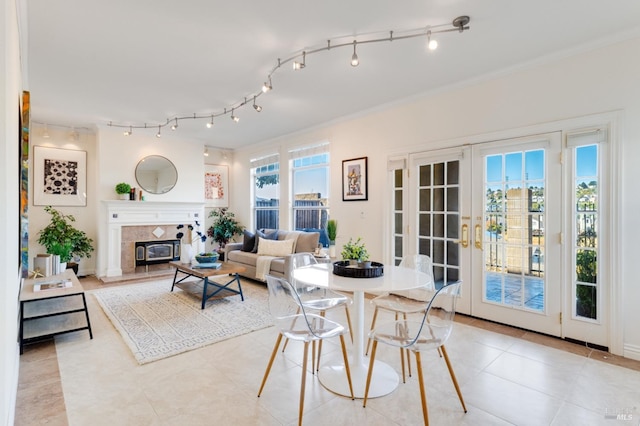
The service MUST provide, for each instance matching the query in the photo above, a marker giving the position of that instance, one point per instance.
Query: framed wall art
(216, 185)
(354, 179)
(59, 177)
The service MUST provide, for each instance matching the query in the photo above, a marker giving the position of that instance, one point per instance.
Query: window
(587, 204)
(310, 185)
(266, 192)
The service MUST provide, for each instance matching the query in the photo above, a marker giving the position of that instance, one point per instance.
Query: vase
(124, 196)
(332, 251)
(186, 253)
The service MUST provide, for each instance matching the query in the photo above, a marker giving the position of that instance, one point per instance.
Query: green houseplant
(224, 227)
(332, 232)
(355, 251)
(123, 189)
(61, 238)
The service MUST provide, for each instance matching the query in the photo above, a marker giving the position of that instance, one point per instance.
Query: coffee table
(188, 271)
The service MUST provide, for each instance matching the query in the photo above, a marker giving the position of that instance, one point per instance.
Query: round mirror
(156, 174)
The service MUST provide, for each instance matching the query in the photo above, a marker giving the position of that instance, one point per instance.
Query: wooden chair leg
(346, 310)
(313, 357)
(371, 362)
(373, 324)
(273, 356)
(408, 353)
(346, 365)
(423, 396)
(303, 383)
(402, 363)
(322, 314)
(453, 377)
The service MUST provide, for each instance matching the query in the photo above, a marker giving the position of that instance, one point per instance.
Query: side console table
(48, 313)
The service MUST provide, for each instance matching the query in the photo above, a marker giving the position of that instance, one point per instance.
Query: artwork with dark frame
(354, 179)
(216, 185)
(59, 177)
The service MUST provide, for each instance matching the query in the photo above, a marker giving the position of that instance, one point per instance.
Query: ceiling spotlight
(174, 125)
(300, 65)
(158, 135)
(354, 58)
(128, 132)
(233, 117)
(206, 152)
(45, 132)
(210, 123)
(267, 86)
(432, 44)
(256, 107)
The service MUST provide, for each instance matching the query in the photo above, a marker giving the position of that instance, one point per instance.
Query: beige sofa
(303, 242)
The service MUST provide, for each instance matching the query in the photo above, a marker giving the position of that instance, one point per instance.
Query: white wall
(117, 157)
(59, 137)
(594, 82)
(10, 92)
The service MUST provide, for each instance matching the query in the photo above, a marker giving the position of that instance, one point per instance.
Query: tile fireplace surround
(125, 222)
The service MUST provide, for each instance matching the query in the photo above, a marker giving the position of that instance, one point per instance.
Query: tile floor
(507, 376)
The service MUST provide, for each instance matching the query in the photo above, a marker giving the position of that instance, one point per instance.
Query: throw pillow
(277, 248)
(273, 235)
(307, 242)
(248, 241)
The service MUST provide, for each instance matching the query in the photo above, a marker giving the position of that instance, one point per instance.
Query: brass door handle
(465, 236)
(478, 239)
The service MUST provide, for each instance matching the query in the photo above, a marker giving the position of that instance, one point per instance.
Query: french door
(490, 215)
(517, 219)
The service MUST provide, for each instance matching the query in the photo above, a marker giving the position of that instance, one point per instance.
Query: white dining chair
(294, 322)
(318, 299)
(407, 302)
(430, 332)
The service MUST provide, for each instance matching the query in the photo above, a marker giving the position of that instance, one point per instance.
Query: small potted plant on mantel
(123, 190)
(356, 253)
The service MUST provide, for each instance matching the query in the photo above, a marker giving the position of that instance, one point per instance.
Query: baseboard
(631, 352)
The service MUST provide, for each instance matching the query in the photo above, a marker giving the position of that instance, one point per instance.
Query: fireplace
(155, 252)
(128, 222)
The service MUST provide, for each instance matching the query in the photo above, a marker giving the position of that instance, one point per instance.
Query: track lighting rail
(459, 24)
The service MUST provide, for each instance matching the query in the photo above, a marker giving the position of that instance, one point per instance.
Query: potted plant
(356, 253)
(61, 238)
(332, 231)
(124, 190)
(224, 227)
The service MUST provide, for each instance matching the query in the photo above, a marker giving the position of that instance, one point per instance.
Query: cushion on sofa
(275, 248)
(307, 242)
(264, 234)
(248, 241)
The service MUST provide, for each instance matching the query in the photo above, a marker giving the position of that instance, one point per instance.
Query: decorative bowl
(207, 257)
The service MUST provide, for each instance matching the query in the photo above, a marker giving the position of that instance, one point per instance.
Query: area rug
(157, 323)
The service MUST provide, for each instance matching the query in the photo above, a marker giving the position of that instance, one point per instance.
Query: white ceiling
(146, 61)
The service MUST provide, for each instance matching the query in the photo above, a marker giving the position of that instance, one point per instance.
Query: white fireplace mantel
(118, 213)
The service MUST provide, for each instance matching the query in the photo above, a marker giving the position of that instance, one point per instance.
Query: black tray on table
(344, 269)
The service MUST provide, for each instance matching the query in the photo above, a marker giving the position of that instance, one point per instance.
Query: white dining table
(332, 375)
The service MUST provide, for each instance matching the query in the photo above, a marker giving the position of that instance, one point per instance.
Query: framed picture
(354, 179)
(216, 185)
(59, 177)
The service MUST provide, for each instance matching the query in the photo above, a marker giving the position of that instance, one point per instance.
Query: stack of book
(213, 265)
(47, 264)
